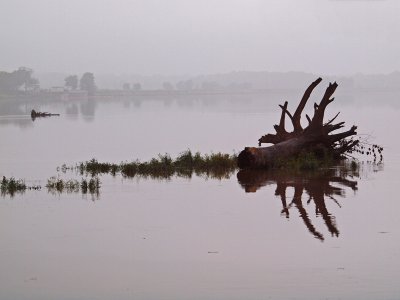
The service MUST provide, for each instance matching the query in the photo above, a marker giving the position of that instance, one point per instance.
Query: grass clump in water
(59, 185)
(94, 167)
(92, 186)
(161, 167)
(129, 169)
(11, 186)
(216, 165)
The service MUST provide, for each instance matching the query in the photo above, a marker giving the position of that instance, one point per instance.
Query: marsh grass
(215, 165)
(11, 186)
(307, 161)
(58, 185)
(92, 186)
(186, 164)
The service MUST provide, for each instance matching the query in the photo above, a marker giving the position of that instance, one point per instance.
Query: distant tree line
(17, 80)
(86, 83)
(22, 80)
(135, 86)
(189, 85)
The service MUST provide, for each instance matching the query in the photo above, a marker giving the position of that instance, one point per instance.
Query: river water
(251, 236)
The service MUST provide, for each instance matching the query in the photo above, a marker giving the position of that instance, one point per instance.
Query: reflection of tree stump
(316, 137)
(317, 185)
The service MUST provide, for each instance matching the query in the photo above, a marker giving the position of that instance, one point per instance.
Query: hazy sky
(200, 36)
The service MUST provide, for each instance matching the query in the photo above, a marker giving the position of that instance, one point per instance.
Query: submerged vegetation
(11, 186)
(215, 165)
(59, 185)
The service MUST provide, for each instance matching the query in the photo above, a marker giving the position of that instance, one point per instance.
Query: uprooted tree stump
(38, 114)
(316, 138)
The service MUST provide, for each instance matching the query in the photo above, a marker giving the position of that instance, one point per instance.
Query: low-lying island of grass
(186, 164)
(215, 165)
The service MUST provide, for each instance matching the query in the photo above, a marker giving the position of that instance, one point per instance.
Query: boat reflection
(308, 187)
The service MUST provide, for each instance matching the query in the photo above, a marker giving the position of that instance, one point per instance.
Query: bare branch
(345, 146)
(333, 119)
(287, 112)
(302, 104)
(318, 118)
(332, 127)
(339, 136)
(281, 127)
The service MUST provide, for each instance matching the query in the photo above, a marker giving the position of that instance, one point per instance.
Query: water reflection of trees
(308, 187)
(88, 108)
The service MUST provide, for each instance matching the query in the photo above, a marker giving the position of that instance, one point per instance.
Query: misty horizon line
(214, 81)
(356, 73)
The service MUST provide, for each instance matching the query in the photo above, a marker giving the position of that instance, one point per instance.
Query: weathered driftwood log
(316, 137)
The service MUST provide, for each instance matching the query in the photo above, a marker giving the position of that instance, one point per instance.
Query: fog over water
(96, 94)
(200, 37)
(250, 236)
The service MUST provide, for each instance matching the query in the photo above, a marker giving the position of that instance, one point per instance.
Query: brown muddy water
(256, 235)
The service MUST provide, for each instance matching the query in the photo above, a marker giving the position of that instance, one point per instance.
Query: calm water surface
(264, 235)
